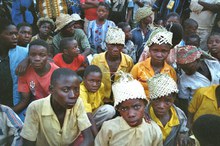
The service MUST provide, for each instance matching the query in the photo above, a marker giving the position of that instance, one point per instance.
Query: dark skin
(211, 7)
(144, 24)
(89, 4)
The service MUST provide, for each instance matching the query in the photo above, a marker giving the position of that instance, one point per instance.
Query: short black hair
(196, 36)
(123, 25)
(64, 43)
(212, 34)
(207, 130)
(91, 68)
(22, 25)
(172, 14)
(190, 21)
(4, 24)
(61, 72)
(177, 31)
(104, 5)
(39, 42)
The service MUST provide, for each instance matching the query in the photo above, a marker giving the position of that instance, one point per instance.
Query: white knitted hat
(127, 88)
(115, 35)
(161, 85)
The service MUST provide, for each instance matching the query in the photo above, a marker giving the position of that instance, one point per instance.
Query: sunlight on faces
(93, 81)
(72, 49)
(159, 53)
(115, 49)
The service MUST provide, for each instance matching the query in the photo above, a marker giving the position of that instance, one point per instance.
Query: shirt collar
(210, 93)
(47, 108)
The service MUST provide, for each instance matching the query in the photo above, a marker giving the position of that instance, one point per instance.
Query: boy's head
(65, 24)
(92, 78)
(190, 27)
(126, 28)
(102, 11)
(24, 34)
(69, 47)
(144, 15)
(64, 87)
(38, 54)
(213, 44)
(193, 40)
(45, 26)
(115, 40)
(159, 43)
(172, 18)
(162, 90)
(8, 34)
(78, 21)
(130, 99)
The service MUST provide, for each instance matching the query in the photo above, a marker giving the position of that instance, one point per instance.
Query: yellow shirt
(143, 71)
(117, 132)
(125, 65)
(174, 120)
(92, 100)
(42, 125)
(204, 101)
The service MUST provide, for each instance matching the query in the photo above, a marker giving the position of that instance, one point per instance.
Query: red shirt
(74, 65)
(37, 85)
(90, 13)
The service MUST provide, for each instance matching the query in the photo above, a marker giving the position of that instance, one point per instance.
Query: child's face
(24, 35)
(172, 19)
(132, 111)
(78, 25)
(72, 49)
(114, 50)
(189, 68)
(45, 29)
(214, 45)
(159, 53)
(65, 91)
(127, 31)
(8, 37)
(102, 13)
(193, 42)
(161, 106)
(93, 81)
(38, 56)
(190, 29)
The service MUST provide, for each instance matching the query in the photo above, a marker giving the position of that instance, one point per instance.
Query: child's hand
(183, 140)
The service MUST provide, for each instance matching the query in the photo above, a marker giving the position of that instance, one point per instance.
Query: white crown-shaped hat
(127, 88)
(115, 35)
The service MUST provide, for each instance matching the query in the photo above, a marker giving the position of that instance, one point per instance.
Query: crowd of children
(109, 73)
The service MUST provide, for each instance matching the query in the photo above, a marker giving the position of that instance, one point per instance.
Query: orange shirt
(143, 71)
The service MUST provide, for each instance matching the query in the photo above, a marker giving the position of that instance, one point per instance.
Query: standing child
(213, 44)
(130, 128)
(98, 28)
(171, 120)
(60, 117)
(70, 58)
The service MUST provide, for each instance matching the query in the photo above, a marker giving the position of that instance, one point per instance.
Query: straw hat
(161, 85)
(127, 88)
(62, 21)
(142, 13)
(76, 17)
(115, 35)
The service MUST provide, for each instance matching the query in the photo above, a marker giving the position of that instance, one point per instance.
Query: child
(173, 17)
(213, 44)
(70, 58)
(24, 34)
(159, 43)
(171, 120)
(193, 40)
(10, 127)
(60, 117)
(129, 48)
(130, 128)
(34, 84)
(97, 29)
(93, 95)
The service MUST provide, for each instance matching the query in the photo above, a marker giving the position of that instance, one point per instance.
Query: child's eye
(124, 109)
(65, 90)
(137, 107)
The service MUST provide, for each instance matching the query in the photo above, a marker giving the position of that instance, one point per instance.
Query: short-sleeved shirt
(42, 125)
(74, 65)
(78, 35)
(37, 85)
(117, 132)
(49, 39)
(92, 100)
(143, 71)
(100, 60)
(204, 102)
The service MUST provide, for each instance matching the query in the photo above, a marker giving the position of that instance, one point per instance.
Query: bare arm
(88, 137)
(86, 52)
(211, 7)
(21, 68)
(190, 120)
(140, 4)
(93, 128)
(25, 100)
(28, 143)
(129, 14)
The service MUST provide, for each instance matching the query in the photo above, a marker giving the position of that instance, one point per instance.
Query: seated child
(130, 128)
(70, 58)
(93, 95)
(98, 28)
(159, 43)
(213, 44)
(171, 120)
(60, 117)
(34, 84)
(193, 40)
(10, 127)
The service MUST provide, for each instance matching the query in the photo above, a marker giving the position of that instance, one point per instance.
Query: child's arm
(22, 67)
(88, 137)
(93, 128)
(25, 100)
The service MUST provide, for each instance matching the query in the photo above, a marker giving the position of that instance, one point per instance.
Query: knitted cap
(63, 20)
(142, 13)
(160, 36)
(161, 85)
(127, 88)
(115, 35)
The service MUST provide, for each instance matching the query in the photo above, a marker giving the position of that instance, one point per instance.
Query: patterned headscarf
(142, 13)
